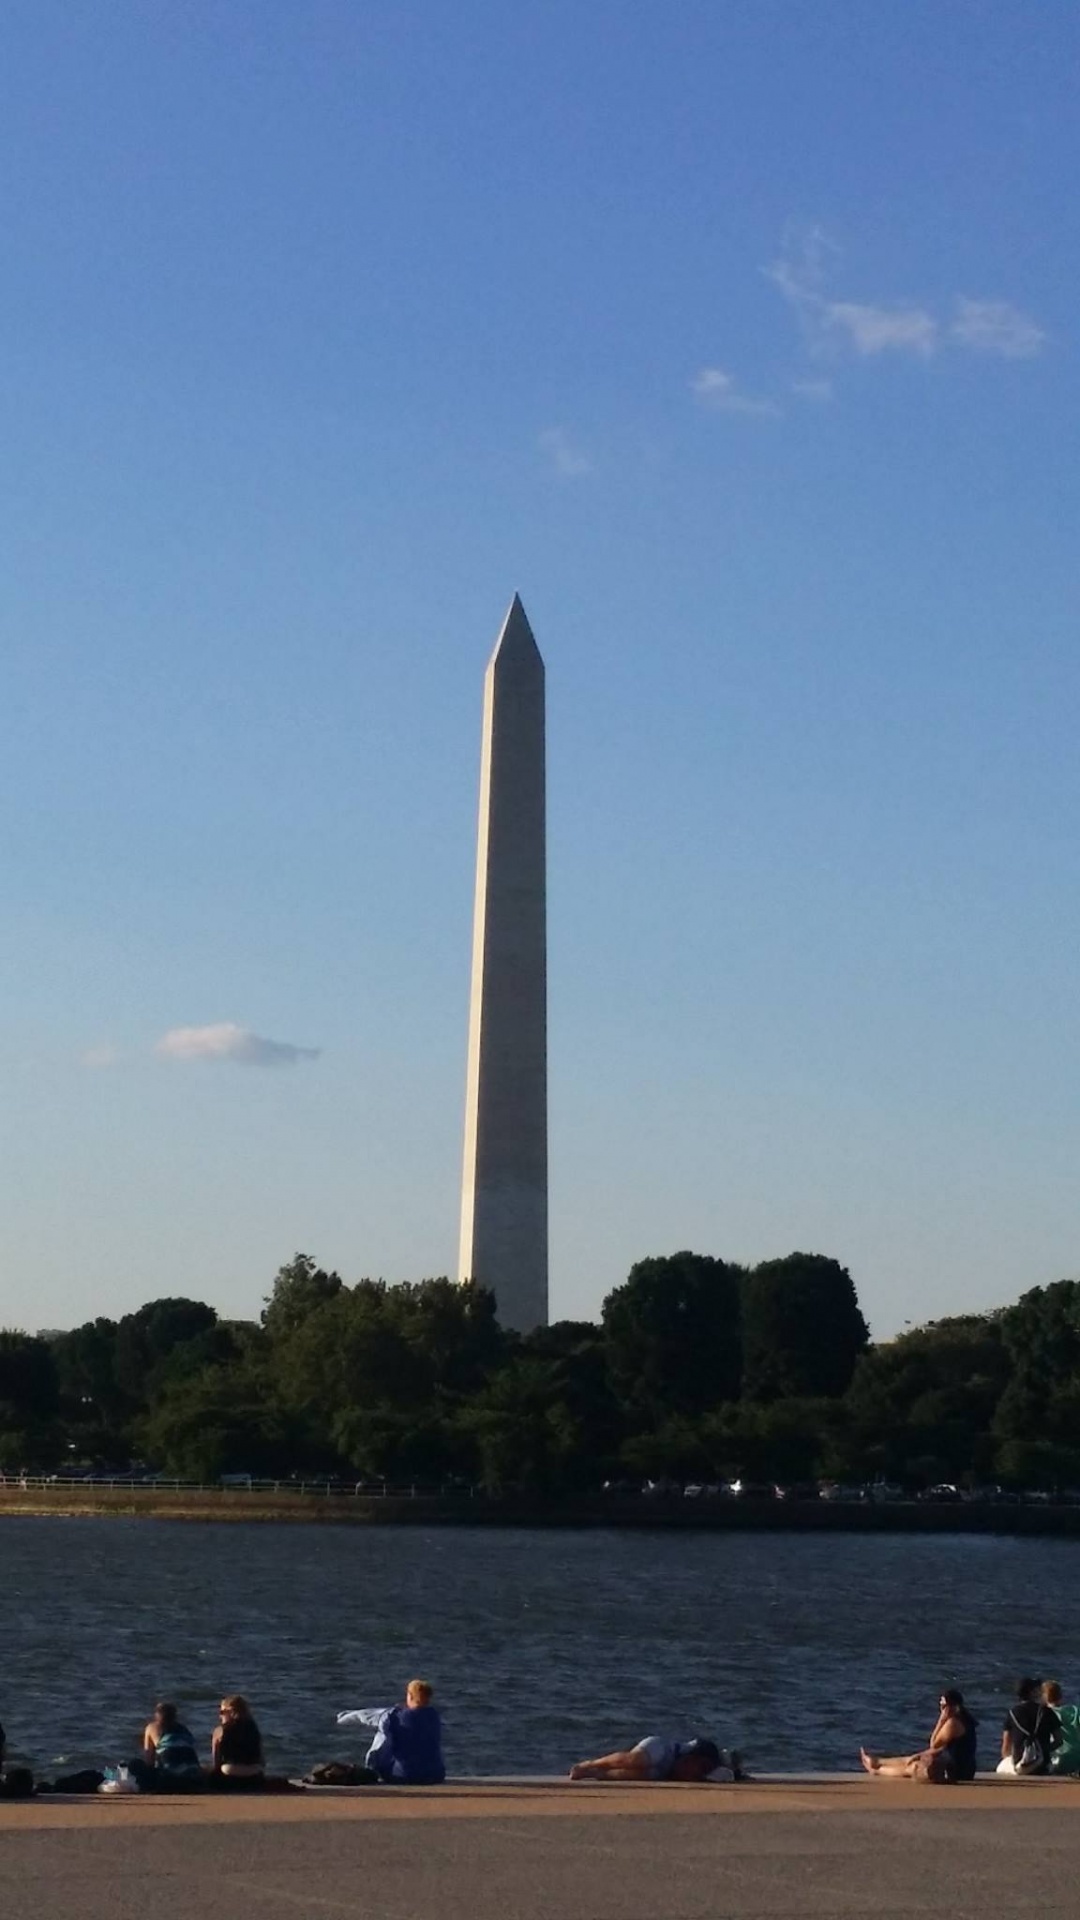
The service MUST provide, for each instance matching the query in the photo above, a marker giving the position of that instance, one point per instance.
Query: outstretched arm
(362, 1717)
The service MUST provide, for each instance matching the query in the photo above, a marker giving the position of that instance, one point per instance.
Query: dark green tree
(299, 1289)
(86, 1369)
(673, 1335)
(226, 1419)
(922, 1406)
(146, 1340)
(802, 1329)
(452, 1331)
(784, 1442)
(525, 1436)
(29, 1402)
(1037, 1422)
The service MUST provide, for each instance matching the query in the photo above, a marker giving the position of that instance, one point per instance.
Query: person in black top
(1030, 1734)
(949, 1758)
(236, 1745)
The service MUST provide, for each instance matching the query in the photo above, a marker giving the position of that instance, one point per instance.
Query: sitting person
(168, 1759)
(1030, 1734)
(167, 1744)
(949, 1758)
(407, 1747)
(655, 1758)
(1066, 1757)
(236, 1746)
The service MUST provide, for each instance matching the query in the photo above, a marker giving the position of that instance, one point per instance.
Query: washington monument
(504, 1224)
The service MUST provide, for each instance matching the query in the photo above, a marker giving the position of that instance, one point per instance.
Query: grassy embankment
(812, 1516)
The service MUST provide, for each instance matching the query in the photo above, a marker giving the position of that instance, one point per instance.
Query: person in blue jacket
(407, 1747)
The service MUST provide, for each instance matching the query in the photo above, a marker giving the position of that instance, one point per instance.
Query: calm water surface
(543, 1647)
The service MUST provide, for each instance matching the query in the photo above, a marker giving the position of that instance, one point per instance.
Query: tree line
(697, 1369)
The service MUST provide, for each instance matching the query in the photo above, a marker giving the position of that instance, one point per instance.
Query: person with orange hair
(407, 1748)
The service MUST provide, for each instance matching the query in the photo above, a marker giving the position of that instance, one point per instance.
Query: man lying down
(658, 1759)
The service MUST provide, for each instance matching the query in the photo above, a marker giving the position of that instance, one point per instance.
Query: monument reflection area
(504, 1209)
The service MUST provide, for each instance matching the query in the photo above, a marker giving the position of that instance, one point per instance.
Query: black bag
(340, 1773)
(87, 1780)
(16, 1784)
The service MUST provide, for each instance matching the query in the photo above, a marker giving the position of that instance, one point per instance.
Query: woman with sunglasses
(236, 1745)
(950, 1757)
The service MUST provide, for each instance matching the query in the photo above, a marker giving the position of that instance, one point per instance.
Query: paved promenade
(827, 1850)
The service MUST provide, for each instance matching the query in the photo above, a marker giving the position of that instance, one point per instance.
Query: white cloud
(882, 329)
(820, 391)
(983, 326)
(99, 1057)
(803, 266)
(227, 1041)
(869, 328)
(994, 326)
(568, 459)
(720, 390)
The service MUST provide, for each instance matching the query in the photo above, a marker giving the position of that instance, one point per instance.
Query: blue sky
(742, 341)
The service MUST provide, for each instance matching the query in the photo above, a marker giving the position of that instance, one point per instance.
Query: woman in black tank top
(237, 1742)
(950, 1757)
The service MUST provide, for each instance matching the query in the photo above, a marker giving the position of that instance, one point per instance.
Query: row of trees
(698, 1369)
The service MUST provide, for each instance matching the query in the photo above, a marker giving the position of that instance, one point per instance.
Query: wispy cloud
(568, 459)
(882, 329)
(721, 391)
(99, 1057)
(869, 328)
(819, 391)
(995, 326)
(227, 1041)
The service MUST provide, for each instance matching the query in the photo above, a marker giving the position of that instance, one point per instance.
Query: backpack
(87, 1780)
(16, 1784)
(340, 1773)
(1033, 1756)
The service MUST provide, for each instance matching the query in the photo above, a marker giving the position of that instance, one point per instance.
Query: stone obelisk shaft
(504, 1226)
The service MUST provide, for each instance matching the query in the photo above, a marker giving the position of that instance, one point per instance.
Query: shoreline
(228, 1506)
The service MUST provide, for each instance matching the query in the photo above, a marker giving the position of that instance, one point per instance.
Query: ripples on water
(542, 1647)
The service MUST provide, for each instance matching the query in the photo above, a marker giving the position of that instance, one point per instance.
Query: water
(543, 1647)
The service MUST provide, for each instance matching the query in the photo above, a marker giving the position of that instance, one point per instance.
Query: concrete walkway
(827, 1849)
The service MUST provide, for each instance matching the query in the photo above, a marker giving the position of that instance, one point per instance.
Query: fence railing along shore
(39, 1495)
(232, 1484)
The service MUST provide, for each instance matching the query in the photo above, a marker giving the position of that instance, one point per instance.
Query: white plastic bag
(118, 1780)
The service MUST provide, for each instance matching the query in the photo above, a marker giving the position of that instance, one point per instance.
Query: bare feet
(578, 1772)
(871, 1765)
